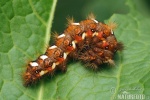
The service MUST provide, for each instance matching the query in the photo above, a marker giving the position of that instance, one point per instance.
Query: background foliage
(24, 34)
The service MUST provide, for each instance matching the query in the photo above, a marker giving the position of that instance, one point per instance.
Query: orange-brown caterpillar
(90, 41)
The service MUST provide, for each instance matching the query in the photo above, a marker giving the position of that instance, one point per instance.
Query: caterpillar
(90, 41)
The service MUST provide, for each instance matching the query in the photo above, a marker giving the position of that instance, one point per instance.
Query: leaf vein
(36, 13)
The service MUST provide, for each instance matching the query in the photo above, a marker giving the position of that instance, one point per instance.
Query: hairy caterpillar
(90, 41)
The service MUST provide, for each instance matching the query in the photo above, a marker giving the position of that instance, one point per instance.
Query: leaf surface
(24, 34)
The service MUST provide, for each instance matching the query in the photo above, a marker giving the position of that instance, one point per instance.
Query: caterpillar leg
(92, 66)
(63, 68)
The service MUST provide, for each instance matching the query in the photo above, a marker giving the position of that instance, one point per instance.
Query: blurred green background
(103, 9)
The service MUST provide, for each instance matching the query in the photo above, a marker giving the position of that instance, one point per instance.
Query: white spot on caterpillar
(65, 56)
(43, 57)
(73, 44)
(34, 64)
(104, 41)
(53, 47)
(43, 72)
(54, 65)
(95, 20)
(95, 34)
(60, 36)
(75, 23)
(83, 36)
(112, 32)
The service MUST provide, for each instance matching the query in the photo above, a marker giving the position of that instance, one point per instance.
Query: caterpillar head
(32, 73)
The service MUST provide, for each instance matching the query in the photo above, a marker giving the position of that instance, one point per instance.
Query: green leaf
(24, 34)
